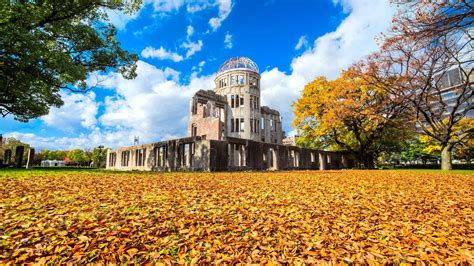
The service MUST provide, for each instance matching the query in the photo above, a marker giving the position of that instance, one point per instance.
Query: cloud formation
(161, 53)
(192, 47)
(302, 43)
(228, 41)
(353, 39)
(79, 111)
(225, 7)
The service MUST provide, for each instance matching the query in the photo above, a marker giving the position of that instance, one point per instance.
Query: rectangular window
(223, 82)
(237, 101)
(241, 101)
(160, 156)
(251, 102)
(194, 107)
(242, 125)
(241, 79)
(233, 80)
(258, 125)
(236, 125)
(232, 101)
(232, 125)
(140, 157)
(263, 123)
(251, 125)
(112, 158)
(125, 158)
(253, 81)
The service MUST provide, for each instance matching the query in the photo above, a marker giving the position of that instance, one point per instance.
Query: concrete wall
(233, 154)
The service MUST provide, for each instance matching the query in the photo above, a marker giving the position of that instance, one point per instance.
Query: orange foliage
(283, 217)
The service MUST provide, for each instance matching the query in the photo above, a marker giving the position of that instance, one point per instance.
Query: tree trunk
(365, 160)
(446, 163)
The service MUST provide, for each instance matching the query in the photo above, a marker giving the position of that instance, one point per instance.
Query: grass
(439, 171)
(379, 216)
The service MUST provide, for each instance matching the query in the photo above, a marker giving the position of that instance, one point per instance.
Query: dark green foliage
(47, 46)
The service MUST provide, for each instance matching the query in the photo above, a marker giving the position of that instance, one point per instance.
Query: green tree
(78, 156)
(49, 46)
(417, 150)
(53, 155)
(99, 156)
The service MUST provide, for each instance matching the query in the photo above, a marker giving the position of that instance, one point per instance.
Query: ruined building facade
(228, 129)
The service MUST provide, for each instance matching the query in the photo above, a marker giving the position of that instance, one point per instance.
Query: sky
(181, 45)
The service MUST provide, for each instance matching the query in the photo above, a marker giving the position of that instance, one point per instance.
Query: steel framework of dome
(238, 63)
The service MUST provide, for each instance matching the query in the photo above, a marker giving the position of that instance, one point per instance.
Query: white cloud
(228, 41)
(199, 67)
(225, 7)
(302, 43)
(165, 6)
(120, 19)
(331, 53)
(161, 53)
(154, 105)
(192, 47)
(193, 7)
(189, 31)
(79, 111)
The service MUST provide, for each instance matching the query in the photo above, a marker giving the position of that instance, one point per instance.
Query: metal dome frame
(238, 63)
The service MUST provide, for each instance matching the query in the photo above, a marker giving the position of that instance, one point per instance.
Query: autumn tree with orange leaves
(350, 112)
(426, 60)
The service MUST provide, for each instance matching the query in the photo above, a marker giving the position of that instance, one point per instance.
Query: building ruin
(228, 130)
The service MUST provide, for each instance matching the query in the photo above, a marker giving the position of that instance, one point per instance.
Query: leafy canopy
(349, 113)
(47, 46)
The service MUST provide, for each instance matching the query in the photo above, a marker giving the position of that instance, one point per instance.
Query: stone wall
(233, 154)
(207, 114)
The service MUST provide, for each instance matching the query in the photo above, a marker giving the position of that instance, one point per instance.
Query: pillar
(31, 157)
(323, 162)
(7, 156)
(345, 162)
(19, 156)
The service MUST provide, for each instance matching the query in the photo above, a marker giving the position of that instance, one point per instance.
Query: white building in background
(52, 163)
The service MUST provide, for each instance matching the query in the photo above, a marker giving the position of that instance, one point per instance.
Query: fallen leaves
(279, 217)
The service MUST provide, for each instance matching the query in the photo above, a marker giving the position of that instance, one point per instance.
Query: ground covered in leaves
(304, 216)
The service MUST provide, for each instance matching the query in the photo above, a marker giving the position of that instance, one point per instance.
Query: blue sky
(181, 44)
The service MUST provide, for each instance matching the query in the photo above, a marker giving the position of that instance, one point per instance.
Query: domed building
(239, 109)
(228, 130)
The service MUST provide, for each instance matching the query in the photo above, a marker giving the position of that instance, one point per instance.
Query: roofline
(240, 68)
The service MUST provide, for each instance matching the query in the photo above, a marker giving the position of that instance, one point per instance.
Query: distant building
(290, 140)
(228, 129)
(53, 163)
(451, 83)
